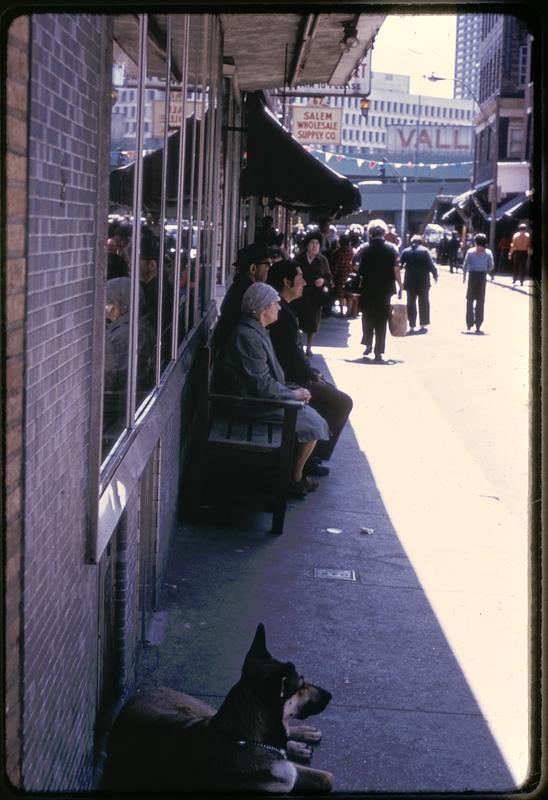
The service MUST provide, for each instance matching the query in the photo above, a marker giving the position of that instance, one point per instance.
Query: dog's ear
(258, 646)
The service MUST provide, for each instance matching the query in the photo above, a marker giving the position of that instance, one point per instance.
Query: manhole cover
(335, 574)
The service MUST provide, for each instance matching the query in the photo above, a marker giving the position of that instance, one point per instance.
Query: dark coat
(286, 340)
(418, 267)
(377, 262)
(309, 307)
(230, 312)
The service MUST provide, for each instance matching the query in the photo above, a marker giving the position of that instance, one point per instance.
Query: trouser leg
(520, 262)
(381, 321)
(424, 307)
(367, 326)
(480, 298)
(469, 311)
(475, 298)
(470, 300)
(412, 307)
(334, 406)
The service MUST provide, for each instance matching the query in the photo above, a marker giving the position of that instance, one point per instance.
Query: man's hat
(251, 254)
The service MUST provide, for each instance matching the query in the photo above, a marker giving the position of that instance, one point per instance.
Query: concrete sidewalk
(348, 608)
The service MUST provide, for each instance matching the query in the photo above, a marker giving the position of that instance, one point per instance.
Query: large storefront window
(123, 157)
(164, 202)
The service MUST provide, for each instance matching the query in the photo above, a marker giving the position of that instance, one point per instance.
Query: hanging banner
(317, 124)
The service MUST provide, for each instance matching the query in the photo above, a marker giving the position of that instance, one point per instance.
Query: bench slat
(245, 432)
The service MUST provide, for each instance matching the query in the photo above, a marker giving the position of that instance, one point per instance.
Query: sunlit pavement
(445, 431)
(425, 652)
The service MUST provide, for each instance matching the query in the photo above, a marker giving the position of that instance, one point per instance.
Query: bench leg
(278, 517)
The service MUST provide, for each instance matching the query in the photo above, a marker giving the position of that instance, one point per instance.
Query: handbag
(352, 283)
(397, 319)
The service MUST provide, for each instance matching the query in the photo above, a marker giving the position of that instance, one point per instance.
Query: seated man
(333, 405)
(117, 343)
(252, 265)
(250, 367)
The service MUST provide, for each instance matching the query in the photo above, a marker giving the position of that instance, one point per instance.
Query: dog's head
(278, 683)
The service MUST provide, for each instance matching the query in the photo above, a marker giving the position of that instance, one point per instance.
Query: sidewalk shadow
(403, 717)
(369, 360)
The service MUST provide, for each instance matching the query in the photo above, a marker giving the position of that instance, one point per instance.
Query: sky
(417, 45)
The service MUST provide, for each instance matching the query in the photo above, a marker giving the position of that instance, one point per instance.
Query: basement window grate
(335, 574)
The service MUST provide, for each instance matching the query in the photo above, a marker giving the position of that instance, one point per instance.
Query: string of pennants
(372, 164)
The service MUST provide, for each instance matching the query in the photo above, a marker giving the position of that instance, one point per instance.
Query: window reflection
(162, 246)
(120, 230)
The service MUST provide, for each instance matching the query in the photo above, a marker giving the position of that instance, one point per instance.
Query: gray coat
(250, 367)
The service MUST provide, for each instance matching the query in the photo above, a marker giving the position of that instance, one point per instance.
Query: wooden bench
(238, 461)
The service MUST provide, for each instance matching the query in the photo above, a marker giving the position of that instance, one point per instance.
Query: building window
(522, 65)
(515, 141)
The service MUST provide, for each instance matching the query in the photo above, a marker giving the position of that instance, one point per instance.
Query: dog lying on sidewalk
(164, 740)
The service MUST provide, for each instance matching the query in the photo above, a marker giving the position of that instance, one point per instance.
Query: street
(445, 431)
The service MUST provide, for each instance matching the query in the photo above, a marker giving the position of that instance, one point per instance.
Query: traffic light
(364, 106)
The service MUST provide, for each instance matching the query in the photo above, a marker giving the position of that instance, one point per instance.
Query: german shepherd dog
(166, 741)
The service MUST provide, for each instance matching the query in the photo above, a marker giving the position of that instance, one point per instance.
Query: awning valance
(279, 168)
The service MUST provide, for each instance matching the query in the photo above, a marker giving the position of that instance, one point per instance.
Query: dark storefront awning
(279, 168)
(511, 207)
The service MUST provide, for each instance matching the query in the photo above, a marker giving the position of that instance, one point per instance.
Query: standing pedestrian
(478, 262)
(520, 250)
(392, 236)
(379, 272)
(418, 264)
(341, 267)
(453, 246)
(318, 279)
(503, 248)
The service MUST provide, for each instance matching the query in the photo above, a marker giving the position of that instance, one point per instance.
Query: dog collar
(263, 746)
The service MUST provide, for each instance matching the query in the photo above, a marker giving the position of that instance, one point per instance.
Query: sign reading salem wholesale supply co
(317, 124)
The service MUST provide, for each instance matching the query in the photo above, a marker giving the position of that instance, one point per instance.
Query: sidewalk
(403, 717)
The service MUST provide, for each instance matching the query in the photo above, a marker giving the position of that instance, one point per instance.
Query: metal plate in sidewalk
(335, 574)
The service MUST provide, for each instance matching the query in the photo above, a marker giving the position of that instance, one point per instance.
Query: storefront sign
(358, 85)
(175, 112)
(429, 138)
(317, 124)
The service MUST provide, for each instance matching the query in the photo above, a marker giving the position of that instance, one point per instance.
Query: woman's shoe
(297, 488)
(310, 483)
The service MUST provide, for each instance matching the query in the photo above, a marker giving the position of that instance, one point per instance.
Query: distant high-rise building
(467, 56)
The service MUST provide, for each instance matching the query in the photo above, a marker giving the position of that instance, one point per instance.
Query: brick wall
(14, 315)
(60, 599)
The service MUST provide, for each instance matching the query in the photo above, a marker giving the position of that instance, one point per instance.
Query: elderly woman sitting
(250, 367)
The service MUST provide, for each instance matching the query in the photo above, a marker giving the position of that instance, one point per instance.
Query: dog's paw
(305, 733)
(299, 750)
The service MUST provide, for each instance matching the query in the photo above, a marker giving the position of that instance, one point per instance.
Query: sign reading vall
(429, 138)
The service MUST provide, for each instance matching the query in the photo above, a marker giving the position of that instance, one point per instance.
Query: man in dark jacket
(332, 404)
(379, 272)
(418, 264)
(252, 265)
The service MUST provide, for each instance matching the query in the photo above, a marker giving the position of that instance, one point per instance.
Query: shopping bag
(397, 319)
